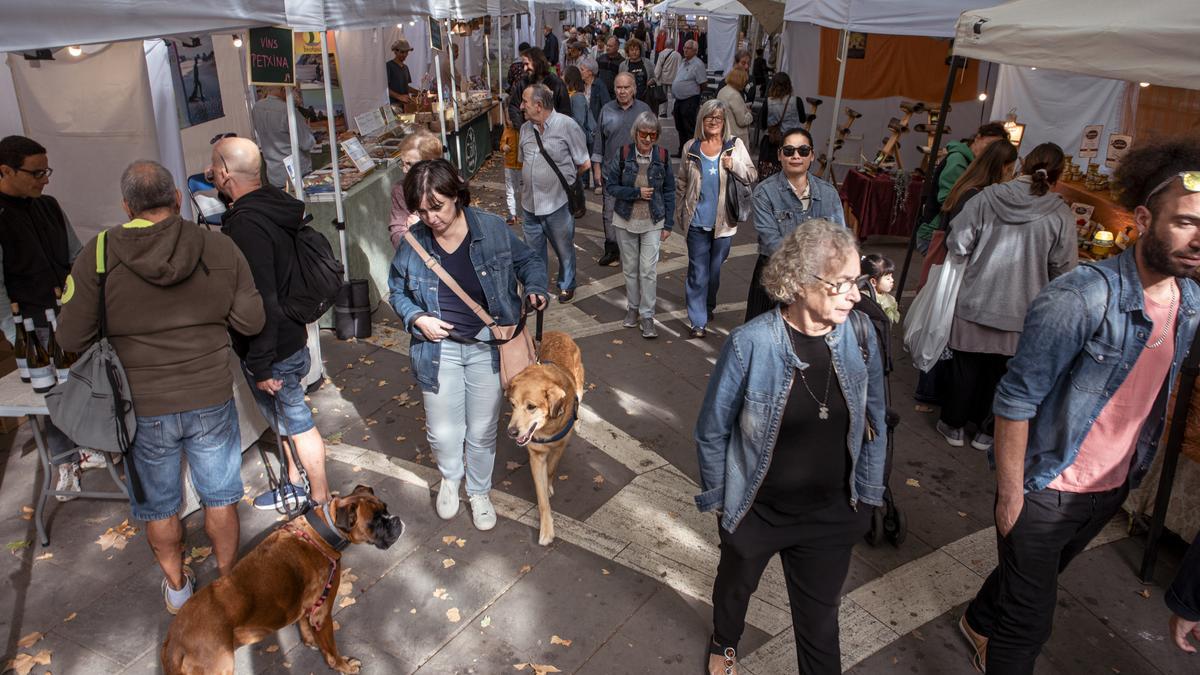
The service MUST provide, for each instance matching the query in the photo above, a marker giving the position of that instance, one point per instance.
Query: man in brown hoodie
(173, 291)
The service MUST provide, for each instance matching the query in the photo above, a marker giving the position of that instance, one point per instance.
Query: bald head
(235, 168)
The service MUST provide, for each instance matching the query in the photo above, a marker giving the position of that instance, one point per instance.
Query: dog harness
(312, 522)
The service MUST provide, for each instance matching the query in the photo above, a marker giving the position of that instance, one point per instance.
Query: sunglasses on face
(1191, 183)
(649, 135)
(803, 150)
(37, 173)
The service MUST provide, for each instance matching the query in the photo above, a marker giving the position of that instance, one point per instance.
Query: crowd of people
(1062, 371)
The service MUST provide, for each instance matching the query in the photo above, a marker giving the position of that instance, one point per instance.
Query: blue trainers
(271, 500)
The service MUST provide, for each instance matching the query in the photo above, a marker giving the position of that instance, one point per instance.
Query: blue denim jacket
(619, 177)
(1083, 334)
(778, 211)
(500, 259)
(743, 409)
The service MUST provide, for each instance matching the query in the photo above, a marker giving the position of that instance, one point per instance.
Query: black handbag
(656, 95)
(739, 202)
(576, 200)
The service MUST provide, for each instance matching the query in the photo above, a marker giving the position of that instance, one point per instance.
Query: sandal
(729, 654)
(978, 643)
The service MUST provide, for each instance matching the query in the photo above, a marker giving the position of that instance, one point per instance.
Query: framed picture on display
(435, 34)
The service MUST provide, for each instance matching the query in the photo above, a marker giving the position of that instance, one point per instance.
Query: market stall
(884, 204)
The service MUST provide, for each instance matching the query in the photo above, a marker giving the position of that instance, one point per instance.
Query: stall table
(472, 143)
(873, 201)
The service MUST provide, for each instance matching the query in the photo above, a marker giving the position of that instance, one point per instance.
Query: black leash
(276, 483)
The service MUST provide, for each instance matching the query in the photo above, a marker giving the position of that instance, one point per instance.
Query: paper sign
(1118, 145)
(370, 123)
(1090, 145)
(358, 154)
(269, 58)
(435, 34)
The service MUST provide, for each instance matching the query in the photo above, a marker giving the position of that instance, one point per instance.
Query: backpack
(930, 206)
(315, 280)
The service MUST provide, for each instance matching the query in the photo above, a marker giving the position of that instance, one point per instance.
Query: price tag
(1089, 146)
(370, 123)
(358, 154)
(1118, 145)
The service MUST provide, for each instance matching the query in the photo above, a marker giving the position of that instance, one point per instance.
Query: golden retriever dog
(545, 399)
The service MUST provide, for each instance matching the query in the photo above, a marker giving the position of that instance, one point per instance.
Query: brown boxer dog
(291, 576)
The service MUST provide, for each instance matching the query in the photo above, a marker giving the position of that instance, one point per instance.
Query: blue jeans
(559, 229)
(706, 254)
(464, 413)
(212, 441)
(286, 411)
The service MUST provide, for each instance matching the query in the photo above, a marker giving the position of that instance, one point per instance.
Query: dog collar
(565, 430)
(326, 529)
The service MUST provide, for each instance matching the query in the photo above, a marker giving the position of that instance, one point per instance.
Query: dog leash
(276, 483)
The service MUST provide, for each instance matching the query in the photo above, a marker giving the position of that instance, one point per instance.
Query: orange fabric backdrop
(895, 65)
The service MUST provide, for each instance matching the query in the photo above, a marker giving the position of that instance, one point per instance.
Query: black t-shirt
(398, 77)
(454, 311)
(641, 74)
(810, 465)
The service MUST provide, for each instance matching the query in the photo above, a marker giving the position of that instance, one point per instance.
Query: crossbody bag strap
(442, 274)
(542, 148)
(102, 275)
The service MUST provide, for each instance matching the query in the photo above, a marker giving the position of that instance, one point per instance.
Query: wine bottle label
(43, 379)
(23, 367)
(63, 374)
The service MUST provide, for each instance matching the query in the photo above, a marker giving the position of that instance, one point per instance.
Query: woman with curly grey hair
(790, 439)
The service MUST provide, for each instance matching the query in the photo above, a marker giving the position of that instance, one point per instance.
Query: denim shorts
(287, 405)
(212, 441)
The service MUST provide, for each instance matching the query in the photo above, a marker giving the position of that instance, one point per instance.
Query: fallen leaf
(487, 621)
(44, 556)
(563, 477)
(962, 514)
(511, 465)
(506, 483)
(598, 480)
(452, 615)
(520, 666)
(1145, 593)
(648, 354)
(607, 355)
(23, 663)
(347, 601)
(448, 563)
(271, 649)
(441, 594)
(401, 439)
(539, 669)
(27, 509)
(382, 383)
(71, 617)
(525, 569)
(555, 640)
(413, 610)
(448, 539)
(30, 640)
(618, 342)
(460, 542)
(913, 482)
(200, 553)
(356, 469)
(337, 626)
(604, 571)
(15, 546)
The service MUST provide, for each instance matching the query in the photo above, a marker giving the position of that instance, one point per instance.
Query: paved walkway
(624, 588)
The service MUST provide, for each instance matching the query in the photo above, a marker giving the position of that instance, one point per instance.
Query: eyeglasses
(37, 173)
(649, 135)
(1191, 183)
(843, 287)
(715, 118)
(218, 137)
(803, 150)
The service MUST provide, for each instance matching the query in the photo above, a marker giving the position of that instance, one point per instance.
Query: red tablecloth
(873, 200)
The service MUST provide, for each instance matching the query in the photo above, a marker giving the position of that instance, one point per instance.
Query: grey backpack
(94, 406)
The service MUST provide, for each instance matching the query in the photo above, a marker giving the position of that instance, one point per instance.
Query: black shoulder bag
(576, 201)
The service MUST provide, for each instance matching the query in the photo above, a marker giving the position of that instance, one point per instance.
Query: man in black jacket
(551, 46)
(37, 247)
(263, 221)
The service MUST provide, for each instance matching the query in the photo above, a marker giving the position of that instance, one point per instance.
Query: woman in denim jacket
(458, 373)
(639, 178)
(790, 438)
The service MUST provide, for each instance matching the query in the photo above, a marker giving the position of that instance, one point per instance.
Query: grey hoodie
(1015, 243)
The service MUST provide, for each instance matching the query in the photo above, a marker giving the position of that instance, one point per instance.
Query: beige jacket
(737, 115)
(687, 185)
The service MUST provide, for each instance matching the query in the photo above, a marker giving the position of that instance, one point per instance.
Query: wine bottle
(63, 359)
(56, 353)
(19, 344)
(41, 370)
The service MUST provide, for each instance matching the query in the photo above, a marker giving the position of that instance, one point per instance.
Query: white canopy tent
(1153, 42)
(723, 16)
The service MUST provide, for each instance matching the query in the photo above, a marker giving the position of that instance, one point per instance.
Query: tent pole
(837, 99)
(487, 59)
(454, 95)
(1166, 479)
(441, 104)
(298, 182)
(956, 62)
(340, 221)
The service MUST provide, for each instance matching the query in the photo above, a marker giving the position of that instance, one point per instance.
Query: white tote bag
(927, 324)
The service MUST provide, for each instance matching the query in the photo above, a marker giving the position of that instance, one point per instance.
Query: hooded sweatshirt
(958, 158)
(173, 291)
(1015, 243)
(263, 224)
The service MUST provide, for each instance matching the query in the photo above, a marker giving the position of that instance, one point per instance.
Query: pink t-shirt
(1103, 459)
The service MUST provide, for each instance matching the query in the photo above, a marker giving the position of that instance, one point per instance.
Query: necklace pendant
(823, 412)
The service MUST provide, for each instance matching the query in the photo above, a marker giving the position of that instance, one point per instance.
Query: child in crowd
(880, 271)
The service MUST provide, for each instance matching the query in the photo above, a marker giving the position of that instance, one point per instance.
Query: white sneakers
(482, 512)
(447, 499)
(68, 480)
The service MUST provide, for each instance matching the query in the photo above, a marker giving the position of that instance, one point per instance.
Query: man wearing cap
(398, 77)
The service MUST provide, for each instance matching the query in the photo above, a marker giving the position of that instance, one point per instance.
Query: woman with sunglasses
(640, 181)
(711, 158)
(790, 438)
(782, 202)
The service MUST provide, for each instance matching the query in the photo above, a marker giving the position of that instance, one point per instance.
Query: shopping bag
(927, 324)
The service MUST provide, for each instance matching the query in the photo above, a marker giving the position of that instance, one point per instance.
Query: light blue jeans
(559, 228)
(464, 414)
(639, 263)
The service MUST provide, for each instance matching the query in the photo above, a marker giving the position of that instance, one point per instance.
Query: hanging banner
(270, 56)
(309, 69)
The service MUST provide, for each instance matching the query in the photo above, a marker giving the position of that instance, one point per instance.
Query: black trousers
(973, 380)
(685, 118)
(1015, 607)
(816, 558)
